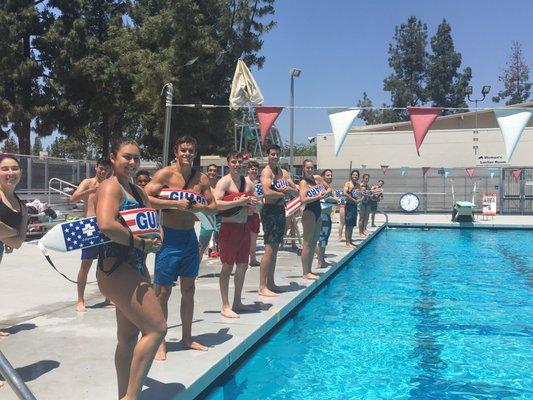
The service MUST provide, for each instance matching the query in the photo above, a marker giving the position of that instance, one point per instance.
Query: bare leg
(310, 224)
(342, 211)
(186, 313)
(163, 295)
(240, 274)
(348, 235)
(82, 282)
(264, 269)
(223, 281)
(253, 249)
(137, 310)
(373, 219)
(271, 285)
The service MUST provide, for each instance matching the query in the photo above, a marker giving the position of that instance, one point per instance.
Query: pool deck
(62, 354)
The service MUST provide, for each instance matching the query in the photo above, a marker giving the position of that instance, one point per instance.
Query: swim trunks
(178, 256)
(234, 243)
(273, 219)
(350, 216)
(254, 223)
(325, 230)
(89, 253)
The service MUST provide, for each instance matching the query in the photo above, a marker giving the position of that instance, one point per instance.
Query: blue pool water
(438, 314)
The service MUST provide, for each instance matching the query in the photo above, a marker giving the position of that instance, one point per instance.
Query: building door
(517, 193)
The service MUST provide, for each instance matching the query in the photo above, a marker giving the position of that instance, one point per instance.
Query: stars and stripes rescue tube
(207, 221)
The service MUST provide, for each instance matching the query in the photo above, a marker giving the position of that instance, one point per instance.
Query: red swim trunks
(234, 243)
(254, 223)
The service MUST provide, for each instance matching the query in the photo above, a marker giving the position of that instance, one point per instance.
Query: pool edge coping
(200, 385)
(449, 225)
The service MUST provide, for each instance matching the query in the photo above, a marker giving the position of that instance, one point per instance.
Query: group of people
(241, 203)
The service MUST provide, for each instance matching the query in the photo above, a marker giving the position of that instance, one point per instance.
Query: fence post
(87, 169)
(78, 171)
(46, 173)
(501, 192)
(28, 174)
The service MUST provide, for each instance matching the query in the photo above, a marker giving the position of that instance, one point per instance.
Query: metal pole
(14, 380)
(168, 115)
(28, 174)
(46, 173)
(291, 137)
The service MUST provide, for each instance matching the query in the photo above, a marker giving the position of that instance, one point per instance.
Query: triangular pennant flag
(447, 171)
(363, 166)
(421, 119)
(516, 174)
(404, 170)
(341, 120)
(512, 122)
(267, 115)
(384, 168)
(470, 172)
(425, 170)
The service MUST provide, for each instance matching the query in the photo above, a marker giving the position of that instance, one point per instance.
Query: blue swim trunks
(178, 256)
(89, 253)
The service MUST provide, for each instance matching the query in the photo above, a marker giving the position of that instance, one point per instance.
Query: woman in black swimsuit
(313, 188)
(122, 275)
(13, 213)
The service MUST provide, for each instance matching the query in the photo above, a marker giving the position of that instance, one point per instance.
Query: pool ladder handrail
(386, 217)
(14, 380)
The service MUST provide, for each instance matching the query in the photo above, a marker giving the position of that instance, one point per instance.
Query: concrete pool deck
(63, 354)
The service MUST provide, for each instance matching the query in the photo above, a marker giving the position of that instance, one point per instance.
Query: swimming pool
(418, 314)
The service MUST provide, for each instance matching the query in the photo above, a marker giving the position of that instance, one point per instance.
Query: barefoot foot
(229, 313)
(4, 333)
(80, 306)
(195, 346)
(311, 276)
(266, 292)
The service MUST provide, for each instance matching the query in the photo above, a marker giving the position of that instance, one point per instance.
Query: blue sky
(341, 46)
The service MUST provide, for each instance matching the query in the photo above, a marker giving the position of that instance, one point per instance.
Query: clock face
(409, 202)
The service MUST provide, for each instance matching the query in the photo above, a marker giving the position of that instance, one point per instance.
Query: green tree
(446, 86)
(70, 147)
(22, 23)
(10, 146)
(514, 78)
(408, 59)
(37, 146)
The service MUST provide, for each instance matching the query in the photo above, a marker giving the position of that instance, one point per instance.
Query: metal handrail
(14, 380)
(60, 190)
(386, 217)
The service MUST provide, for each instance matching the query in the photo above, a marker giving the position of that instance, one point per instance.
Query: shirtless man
(254, 222)
(179, 255)
(86, 192)
(276, 183)
(206, 233)
(234, 238)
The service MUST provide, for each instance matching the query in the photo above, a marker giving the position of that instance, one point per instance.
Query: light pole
(294, 73)
(168, 111)
(484, 91)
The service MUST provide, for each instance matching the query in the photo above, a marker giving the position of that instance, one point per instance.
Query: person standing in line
(364, 206)
(86, 192)
(234, 238)
(122, 274)
(207, 233)
(353, 198)
(325, 216)
(254, 222)
(377, 196)
(13, 212)
(179, 256)
(339, 194)
(276, 183)
(313, 188)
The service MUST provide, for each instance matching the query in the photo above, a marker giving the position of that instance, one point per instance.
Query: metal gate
(517, 192)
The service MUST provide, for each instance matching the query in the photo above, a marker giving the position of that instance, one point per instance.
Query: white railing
(59, 190)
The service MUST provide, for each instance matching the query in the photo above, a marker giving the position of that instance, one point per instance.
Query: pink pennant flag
(384, 168)
(516, 174)
(421, 119)
(470, 172)
(425, 170)
(267, 115)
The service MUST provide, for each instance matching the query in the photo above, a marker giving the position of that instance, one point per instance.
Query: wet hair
(273, 147)
(142, 172)
(323, 173)
(253, 164)
(354, 170)
(121, 142)
(367, 175)
(382, 181)
(104, 162)
(308, 160)
(233, 154)
(186, 139)
(3, 156)
(212, 165)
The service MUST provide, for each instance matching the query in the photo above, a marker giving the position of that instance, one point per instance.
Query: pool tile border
(203, 383)
(464, 225)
